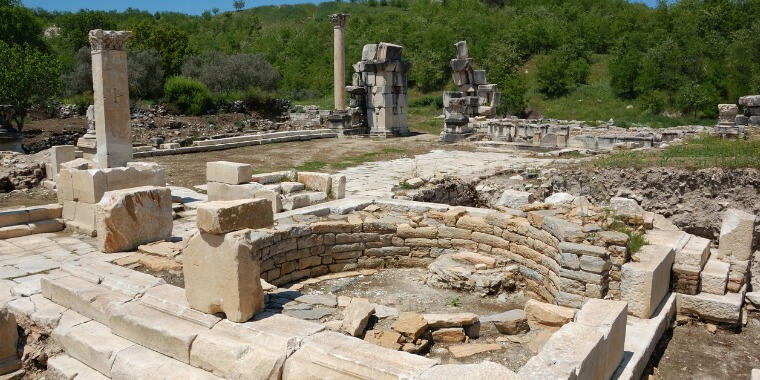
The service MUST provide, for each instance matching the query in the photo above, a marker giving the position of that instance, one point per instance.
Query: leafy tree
(239, 5)
(505, 71)
(19, 25)
(172, 43)
(562, 70)
(28, 77)
(222, 72)
(145, 75)
(75, 27)
(79, 79)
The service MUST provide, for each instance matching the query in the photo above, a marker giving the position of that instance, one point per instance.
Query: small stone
(410, 324)
(384, 338)
(464, 350)
(356, 316)
(511, 322)
(712, 328)
(449, 335)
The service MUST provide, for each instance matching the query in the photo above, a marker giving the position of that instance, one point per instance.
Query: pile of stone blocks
(222, 272)
(732, 118)
(476, 97)
(80, 189)
(378, 92)
(286, 190)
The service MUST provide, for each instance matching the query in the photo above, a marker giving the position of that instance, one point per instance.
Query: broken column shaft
(339, 59)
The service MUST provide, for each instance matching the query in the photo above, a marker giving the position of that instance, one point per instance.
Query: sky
(195, 7)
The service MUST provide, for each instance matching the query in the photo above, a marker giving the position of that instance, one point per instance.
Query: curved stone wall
(559, 272)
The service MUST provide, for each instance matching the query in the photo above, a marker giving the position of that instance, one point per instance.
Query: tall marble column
(111, 96)
(339, 59)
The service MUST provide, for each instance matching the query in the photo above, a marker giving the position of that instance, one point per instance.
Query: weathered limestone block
(563, 229)
(509, 322)
(92, 343)
(127, 218)
(676, 240)
(750, 101)
(218, 191)
(451, 320)
(138, 362)
(9, 361)
(64, 367)
(232, 173)
(225, 216)
(316, 181)
(87, 298)
(515, 198)
(449, 335)
(727, 113)
(58, 155)
(483, 370)
(609, 318)
(232, 351)
(714, 277)
(338, 187)
(712, 307)
(410, 324)
(573, 352)
(356, 316)
(628, 209)
(645, 283)
(736, 234)
(222, 275)
(547, 314)
(330, 355)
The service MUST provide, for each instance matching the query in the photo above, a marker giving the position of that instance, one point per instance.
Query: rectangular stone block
(736, 234)
(316, 181)
(92, 343)
(645, 283)
(172, 300)
(9, 361)
(86, 298)
(573, 352)
(712, 307)
(222, 275)
(338, 187)
(232, 173)
(127, 218)
(58, 155)
(221, 217)
(64, 367)
(88, 185)
(609, 318)
(218, 191)
(138, 362)
(714, 277)
(156, 330)
(331, 355)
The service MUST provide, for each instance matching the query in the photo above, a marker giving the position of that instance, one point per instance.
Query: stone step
(171, 299)
(716, 308)
(138, 362)
(154, 329)
(64, 367)
(694, 253)
(92, 300)
(641, 338)
(114, 277)
(714, 277)
(91, 343)
(645, 283)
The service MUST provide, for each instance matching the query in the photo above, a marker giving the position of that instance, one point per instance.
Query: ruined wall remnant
(476, 97)
(378, 94)
(733, 119)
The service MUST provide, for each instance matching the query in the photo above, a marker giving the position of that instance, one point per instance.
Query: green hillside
(575, 59)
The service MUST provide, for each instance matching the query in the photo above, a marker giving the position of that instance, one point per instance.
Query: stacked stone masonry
(476, 97)
(733, 118)
(378, 92)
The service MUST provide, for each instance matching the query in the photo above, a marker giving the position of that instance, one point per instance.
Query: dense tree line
(685, 56)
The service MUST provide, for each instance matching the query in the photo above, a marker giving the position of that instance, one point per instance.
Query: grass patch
(310, 166)
(456, 302)
(696, 153)
(636, 240)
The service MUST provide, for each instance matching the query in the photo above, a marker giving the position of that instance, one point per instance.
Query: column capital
(108, 39)
(338, 20)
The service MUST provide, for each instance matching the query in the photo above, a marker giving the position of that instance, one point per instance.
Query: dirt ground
(405, 290)
(188, 170)
(695, 353)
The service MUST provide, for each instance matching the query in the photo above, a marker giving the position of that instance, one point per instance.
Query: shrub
(562, 70)
(187, 95)
(146, 77)
(265, 103)
(81, 101)
(222, 72)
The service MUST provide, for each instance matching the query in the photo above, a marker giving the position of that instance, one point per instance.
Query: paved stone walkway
(378, 178)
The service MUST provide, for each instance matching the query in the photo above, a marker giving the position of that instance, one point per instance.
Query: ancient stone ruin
(732, 120)
(476, 97)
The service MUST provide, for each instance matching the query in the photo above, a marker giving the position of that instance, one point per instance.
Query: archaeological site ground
(384, 233)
